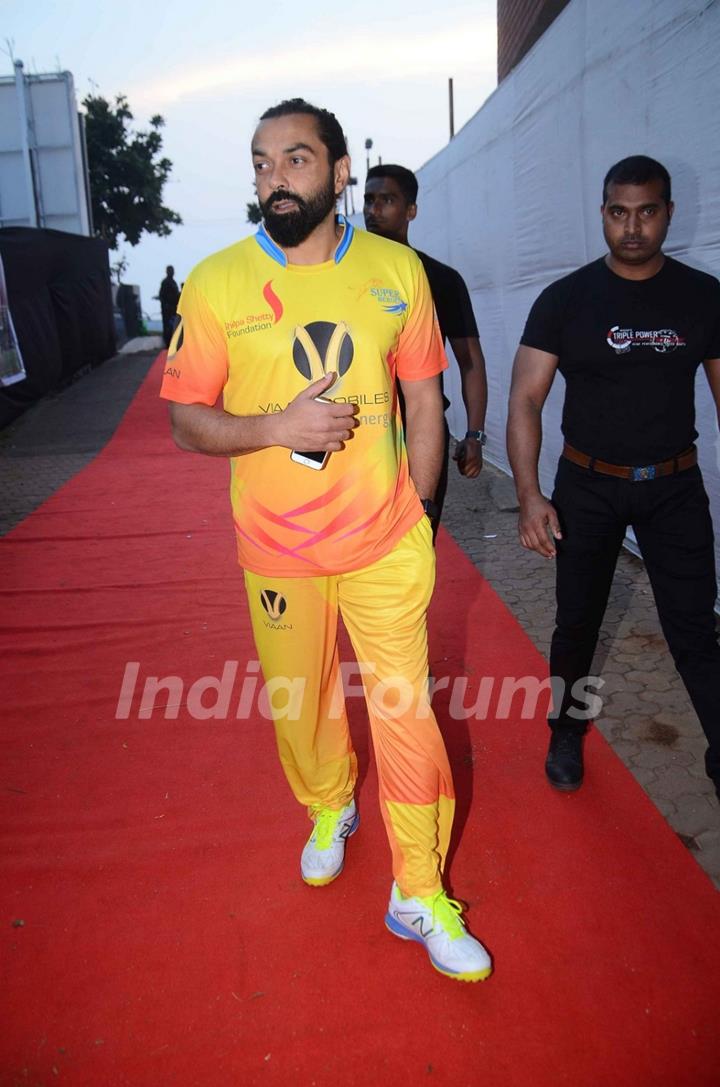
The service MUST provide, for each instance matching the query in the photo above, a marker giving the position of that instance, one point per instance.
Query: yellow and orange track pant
(383, 607)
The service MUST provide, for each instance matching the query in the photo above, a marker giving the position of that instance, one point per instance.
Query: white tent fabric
(513, 201)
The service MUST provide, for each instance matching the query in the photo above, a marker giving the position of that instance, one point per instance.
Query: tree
(119, 267)
(254, 215)
(126, 176)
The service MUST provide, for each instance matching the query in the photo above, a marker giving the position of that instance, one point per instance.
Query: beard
(291, 228)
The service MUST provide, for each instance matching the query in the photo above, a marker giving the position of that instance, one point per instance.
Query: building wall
(519, 25)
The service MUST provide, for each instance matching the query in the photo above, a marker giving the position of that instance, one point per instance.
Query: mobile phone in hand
(314, 459)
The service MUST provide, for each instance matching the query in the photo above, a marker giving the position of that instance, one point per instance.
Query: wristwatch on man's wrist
(477, 436)
(431, 509)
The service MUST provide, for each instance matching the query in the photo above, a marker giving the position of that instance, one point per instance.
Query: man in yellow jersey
(306, 329)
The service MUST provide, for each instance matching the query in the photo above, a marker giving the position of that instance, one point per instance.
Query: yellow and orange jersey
(259, 330)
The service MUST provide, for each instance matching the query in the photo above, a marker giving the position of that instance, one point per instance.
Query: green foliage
(254, 215)
(126, 175)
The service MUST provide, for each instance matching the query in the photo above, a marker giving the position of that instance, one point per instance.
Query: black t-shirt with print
(452, 300)
(628, 350)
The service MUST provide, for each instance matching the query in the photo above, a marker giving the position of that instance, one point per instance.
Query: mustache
(284, 194)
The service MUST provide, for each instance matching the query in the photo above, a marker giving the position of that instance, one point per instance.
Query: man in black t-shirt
(390, 206)
(169, 296)
(628, 333)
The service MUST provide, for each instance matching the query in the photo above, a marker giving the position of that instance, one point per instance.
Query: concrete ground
(646, 716)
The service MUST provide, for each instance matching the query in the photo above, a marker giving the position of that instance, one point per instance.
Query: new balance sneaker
(324, 854)
(436, 922)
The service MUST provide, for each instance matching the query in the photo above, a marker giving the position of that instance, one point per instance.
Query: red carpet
(166, 937)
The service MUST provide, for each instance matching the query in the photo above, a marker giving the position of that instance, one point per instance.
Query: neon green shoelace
(325, 823)
(447, 912)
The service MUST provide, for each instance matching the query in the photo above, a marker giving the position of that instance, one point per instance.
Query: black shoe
(564, 763)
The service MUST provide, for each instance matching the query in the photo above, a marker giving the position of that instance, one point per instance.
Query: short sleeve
(197, 362)
(420, 353)
(459, 319)
(543, 326)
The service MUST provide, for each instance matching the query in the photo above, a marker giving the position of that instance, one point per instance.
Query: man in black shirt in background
(169, 295)
(389, 208)
(628, 333)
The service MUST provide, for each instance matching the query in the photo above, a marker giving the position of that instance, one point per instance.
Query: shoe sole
(405, 934)
(324, 880)
(564, 788)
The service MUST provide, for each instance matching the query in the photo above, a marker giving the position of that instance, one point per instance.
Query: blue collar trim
(348, 234)
(269, 246)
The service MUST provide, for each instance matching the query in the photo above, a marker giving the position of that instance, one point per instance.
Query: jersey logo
(257, 322)
(273, 301)
(273, 602)
(662, 340)
(390, 300)
(321, 348)
(176, 342)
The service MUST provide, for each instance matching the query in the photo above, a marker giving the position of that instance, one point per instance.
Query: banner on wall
(12, 368)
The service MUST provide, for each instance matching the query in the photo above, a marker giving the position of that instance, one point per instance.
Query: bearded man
(306, 329)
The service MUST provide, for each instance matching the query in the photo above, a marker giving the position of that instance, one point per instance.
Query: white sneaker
(324, 854)
(435, 921)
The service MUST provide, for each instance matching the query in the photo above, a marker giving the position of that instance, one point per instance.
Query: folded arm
(306, 423)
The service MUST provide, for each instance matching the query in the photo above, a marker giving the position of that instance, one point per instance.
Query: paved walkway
(60, 434)
(646, 714)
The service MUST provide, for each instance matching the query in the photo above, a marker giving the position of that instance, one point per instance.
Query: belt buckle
(648, 472)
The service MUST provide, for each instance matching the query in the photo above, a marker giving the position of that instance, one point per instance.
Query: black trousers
(168, 323)
(441, 490)
(672, 524)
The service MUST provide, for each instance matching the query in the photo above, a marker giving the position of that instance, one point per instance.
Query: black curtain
(61, 304)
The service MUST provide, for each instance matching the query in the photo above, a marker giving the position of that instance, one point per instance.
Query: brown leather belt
(648, 471)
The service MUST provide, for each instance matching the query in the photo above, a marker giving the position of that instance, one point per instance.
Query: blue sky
(211, 69)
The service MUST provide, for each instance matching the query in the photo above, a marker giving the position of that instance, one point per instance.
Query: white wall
(513, 201)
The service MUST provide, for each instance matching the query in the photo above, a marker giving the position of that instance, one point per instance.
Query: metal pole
(451, 103)
(24, 142)
(368, 145)
(86, 173)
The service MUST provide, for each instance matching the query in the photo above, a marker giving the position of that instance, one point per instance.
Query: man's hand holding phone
(311, 422)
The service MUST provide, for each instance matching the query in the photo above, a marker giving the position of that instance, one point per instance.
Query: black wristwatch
(431, 509)
(477, 435)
